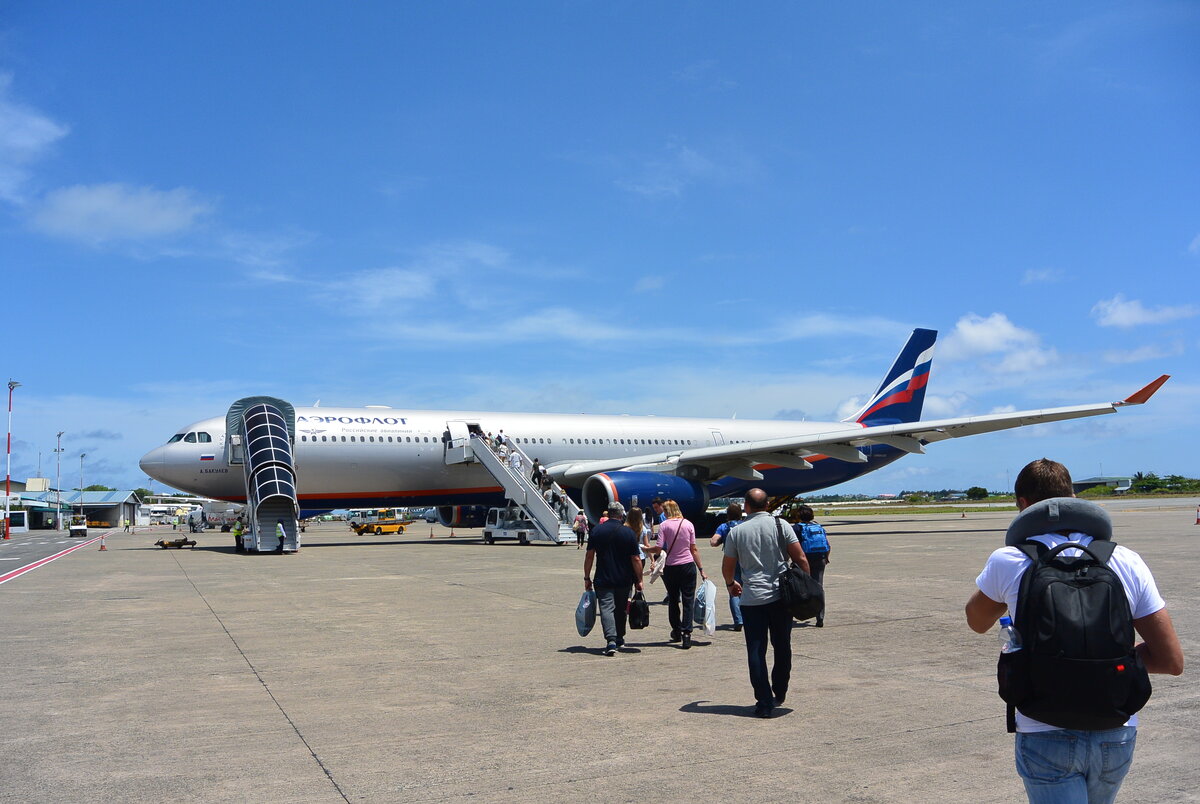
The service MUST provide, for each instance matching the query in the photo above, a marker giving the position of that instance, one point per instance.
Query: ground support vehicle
(78, 526)
(508, 523)
(182, 541)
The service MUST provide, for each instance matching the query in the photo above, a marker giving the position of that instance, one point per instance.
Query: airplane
(379, 456)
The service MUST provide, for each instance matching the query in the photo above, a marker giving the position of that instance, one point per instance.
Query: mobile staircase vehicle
(465, 445)
(261, 431)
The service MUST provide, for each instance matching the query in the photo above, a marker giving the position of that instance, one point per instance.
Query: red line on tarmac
(8, 576)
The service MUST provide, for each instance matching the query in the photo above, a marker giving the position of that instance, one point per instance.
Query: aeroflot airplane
(383, 457)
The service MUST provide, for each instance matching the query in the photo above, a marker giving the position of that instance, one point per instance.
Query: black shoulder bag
(801, 594)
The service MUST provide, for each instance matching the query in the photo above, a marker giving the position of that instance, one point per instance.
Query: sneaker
(611, 649)
(762, 711)
(675, 636)
(687, 640)
(780, 697)
(737, 626)
(620, 642)
(820, 622)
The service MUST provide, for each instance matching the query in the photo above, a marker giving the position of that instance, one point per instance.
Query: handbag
(585, 613)
(801, 594)
(639, 611)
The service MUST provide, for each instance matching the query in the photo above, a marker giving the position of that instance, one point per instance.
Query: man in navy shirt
(613, 549)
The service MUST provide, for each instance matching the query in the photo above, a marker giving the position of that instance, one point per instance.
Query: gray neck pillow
(1060, 513)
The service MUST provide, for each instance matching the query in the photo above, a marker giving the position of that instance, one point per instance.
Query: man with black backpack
(1071, 674)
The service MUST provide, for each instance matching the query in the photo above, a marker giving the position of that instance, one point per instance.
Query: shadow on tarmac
(699, 708)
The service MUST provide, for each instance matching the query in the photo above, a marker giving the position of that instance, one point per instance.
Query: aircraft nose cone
(152, 463)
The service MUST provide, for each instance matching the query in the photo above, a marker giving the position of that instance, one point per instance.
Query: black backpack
(1076, 668)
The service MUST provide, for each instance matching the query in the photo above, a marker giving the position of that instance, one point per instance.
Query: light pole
(58, 482)
(12, 384)
(82, 510)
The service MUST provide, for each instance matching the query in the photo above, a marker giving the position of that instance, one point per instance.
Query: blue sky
(678, 209)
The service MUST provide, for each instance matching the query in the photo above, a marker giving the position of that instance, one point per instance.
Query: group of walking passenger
(755, 551)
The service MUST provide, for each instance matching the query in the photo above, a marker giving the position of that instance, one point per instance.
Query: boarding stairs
(524, 493)
(261, 432)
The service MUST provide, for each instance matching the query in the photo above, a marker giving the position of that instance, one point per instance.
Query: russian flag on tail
(901, 395)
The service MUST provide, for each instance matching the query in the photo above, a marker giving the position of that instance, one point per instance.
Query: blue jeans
(613, 602)
(735, 603)
(773, 621)
(1066, 766)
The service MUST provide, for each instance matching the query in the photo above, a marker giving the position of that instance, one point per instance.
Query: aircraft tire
(521, 538)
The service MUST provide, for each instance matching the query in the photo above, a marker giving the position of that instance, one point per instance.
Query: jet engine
(462, 516)
(623, 487)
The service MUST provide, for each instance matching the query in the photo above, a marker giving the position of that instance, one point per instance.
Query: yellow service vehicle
(378, 522)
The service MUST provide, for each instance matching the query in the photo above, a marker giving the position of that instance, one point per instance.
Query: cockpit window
(190, 438)
(203, 438)
(176, 437)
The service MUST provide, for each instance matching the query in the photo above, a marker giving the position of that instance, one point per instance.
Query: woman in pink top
(677, 540)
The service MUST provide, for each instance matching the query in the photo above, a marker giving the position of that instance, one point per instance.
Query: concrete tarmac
(423, 669)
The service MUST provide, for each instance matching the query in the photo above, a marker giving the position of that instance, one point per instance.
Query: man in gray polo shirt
(758, 544)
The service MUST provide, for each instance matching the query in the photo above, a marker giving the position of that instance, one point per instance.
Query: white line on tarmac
(19, 571)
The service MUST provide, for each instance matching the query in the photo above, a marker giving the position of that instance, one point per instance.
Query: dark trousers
(680, 581)
(614, 609)
(816, 568)
(760, 622)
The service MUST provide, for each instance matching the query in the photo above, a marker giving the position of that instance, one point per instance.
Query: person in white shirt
(1068, 765)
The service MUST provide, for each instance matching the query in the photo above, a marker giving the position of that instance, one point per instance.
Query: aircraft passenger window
(351, 438)
(190, 438)
(303, 438)
(323, 438)
(408, 439)
(343, 438)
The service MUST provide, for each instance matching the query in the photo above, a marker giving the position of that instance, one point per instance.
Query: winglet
(1147, 392)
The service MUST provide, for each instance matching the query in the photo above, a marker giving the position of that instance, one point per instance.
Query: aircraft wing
(842, 442)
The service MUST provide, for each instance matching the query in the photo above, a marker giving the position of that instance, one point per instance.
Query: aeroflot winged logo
(352, 419)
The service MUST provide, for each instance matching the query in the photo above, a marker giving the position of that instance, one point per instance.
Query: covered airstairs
(467, 445)
(261, 431)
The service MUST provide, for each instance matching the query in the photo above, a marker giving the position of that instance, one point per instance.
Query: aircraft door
(456, 441)
(718, 439)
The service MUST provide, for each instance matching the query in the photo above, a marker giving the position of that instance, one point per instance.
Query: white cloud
(975, 335)
(1125, 313)
(1194, 246)
(25, 136)
(1011, 348)
(100, 213)
(682, 166)
(1042, 276)
(649, 283)
(1144, 353)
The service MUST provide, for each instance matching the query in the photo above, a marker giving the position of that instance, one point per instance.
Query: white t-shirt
(1001, 581)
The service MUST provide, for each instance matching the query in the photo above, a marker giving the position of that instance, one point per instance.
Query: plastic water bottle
(1010, 640)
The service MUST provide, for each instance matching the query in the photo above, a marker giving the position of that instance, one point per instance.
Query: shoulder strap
(782, 545)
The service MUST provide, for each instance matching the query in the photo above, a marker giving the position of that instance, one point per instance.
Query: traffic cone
(102, 547)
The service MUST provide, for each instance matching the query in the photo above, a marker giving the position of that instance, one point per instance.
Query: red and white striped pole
(12, 384)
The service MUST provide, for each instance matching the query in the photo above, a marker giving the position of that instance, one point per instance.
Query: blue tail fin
(902, 392)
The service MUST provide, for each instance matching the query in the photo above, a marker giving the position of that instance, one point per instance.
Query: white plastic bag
(585, 613)
(705, 610)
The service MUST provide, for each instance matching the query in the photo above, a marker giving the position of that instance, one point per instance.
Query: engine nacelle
(601, 489)
(462, 516)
